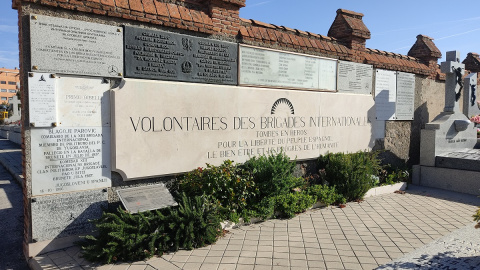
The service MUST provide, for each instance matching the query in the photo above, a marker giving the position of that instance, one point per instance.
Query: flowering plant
(475, 119)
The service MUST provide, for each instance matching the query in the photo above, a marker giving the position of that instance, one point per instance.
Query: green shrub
(351, 174)
(389, 175)
(229, 185)
(287, 205)
(123, 236)
(325, 194)
(273, 174)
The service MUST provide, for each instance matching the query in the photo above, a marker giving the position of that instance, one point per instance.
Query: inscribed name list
(42, 100)
(154, 54)
(404, 107)
(70, 159)
(280, 69)
(198, 124)
(355, 78)
(75, 47)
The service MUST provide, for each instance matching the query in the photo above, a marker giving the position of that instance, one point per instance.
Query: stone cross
(15, 112)
(454, 82)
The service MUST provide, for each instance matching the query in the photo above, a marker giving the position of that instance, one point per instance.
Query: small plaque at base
(141, 199)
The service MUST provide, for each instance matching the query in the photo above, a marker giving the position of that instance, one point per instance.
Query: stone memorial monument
(449, 140)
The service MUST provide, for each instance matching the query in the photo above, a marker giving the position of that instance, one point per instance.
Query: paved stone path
(361, 236)
(11, 223)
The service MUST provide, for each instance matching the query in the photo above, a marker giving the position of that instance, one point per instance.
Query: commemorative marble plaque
(200, 123)
(404, 107)
(70, 159)
(385, 94)
(67, 46)
(160, 55)
(140, 199)
(355, 78)
(286, 70)
(42, 102)
(83, 101)
(62, 215)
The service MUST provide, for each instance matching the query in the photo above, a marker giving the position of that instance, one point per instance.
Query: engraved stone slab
(385, 94)
(42, 103)
(468, 159)
(280, 69)
(67, 214)
(141, 199)
(70, 159)
(355, 78)
(405, 105)
(199, 123)
(154, 54)
(75, 47)
(83, 101)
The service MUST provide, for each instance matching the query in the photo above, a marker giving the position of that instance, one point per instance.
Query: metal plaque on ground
(75, 47)
(141, 199)
(160, 55)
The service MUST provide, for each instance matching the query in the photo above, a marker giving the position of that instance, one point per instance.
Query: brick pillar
(425, 50)
(349, 29)
(225, 15)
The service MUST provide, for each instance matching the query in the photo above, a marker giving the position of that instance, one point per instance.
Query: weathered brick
(122, 4)
(84, 9)
(173, 10)
(108, 2)
(149, 6)
(93, 5)
(99, 11)
(161, 8)
(136, 5)
(185, 13)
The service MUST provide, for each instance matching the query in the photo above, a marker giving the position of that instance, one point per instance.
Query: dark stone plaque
(140, 199)
(62, 215)
(153, 54)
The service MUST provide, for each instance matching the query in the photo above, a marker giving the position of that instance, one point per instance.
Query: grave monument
(448, 159)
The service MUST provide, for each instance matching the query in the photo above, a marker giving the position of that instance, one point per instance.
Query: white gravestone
(16, 111)
(451, 130)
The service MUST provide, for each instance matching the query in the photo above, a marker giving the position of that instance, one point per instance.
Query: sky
(393, 25)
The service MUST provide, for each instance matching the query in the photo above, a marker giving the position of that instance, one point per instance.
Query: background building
(9, 79)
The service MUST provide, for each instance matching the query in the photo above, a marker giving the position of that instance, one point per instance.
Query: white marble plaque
(287, 70)
(75, 47)
(355, 78)
(70, 159)
(198, 123)
(405, 105)
(41, 97)
(83, 101)
(385, 94)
